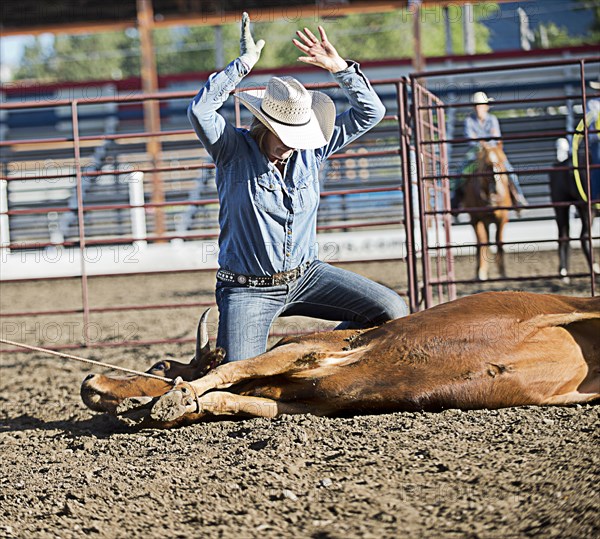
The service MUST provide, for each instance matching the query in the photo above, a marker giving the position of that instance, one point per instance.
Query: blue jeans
(324, 291)
(513, 177)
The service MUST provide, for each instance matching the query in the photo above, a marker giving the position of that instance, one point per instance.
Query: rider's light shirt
(476, 130)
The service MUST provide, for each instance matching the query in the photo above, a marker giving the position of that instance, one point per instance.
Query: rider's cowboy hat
(480, 98)
(302, 119)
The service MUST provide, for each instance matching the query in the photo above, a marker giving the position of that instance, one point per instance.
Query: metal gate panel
(433, 189)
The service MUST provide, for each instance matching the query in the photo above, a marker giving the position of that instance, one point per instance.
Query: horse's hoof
(564, 277)
(596, 268)
(482, 276)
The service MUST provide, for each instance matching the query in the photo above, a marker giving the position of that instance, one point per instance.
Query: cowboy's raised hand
(319, 53)
(249, 51)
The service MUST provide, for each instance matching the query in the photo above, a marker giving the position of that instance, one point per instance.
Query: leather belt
(284, 277)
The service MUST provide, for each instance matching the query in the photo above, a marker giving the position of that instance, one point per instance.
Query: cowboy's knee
(394, 307)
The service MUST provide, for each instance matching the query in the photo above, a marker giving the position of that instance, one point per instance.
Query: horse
(487, 195)
(563, 189)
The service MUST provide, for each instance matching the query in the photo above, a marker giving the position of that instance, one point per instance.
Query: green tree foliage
(34, 62)
(372, 36)
(593, 36)
(183, 50)
(94, 56)
(81, 57)
(551, 35)
(190, 49)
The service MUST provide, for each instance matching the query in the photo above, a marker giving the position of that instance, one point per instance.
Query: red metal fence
(434, 172)
(420, 145)
(83, 241)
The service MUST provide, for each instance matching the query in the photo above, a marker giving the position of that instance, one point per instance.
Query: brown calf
(490, 350)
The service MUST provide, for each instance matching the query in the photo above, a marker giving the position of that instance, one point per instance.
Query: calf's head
(104, 393)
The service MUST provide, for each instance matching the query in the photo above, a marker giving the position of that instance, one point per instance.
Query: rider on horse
(481, 125)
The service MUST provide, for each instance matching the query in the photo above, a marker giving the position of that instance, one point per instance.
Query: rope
(577, 137)
(84, 360)
(576, 140)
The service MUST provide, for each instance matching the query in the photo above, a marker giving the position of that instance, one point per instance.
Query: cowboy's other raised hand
(249, 51)
(319, 53)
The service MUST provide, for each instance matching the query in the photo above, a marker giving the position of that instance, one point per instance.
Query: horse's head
(491, 157)
(488, 193)
(491, 186)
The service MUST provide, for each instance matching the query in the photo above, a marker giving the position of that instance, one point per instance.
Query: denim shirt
(268, 221)
(475, 130)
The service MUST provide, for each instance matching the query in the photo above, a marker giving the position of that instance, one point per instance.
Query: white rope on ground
(84, 360)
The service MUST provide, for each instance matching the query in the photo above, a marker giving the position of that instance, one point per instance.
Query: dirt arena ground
(68, 472)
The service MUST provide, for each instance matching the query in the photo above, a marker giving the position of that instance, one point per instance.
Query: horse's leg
(562, 221)
(481, 231)
(585, 238)
(500, 243)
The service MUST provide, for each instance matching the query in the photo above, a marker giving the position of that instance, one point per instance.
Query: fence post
(81, 224)
(4, 223)
(419, 167)
(409, 222)
(138, 212)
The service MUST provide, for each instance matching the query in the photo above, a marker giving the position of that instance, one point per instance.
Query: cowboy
(268, 186)
(479, 126)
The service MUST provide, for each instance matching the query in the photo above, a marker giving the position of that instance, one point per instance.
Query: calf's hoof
(174, 404)
(134, 410)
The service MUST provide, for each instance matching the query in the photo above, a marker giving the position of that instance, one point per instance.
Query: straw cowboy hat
(302, 119)
(480, 98)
